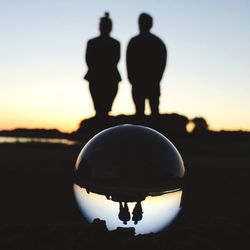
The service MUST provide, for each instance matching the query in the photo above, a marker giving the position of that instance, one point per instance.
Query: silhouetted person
(146, 61)
(124, 214)
(102, 56)
(137, 213)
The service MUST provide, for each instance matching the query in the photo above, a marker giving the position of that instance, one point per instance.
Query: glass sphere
(129, 176)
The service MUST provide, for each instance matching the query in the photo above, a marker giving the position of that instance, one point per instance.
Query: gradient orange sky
(42, 60)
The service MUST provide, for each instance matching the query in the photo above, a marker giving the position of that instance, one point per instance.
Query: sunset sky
(42, 49)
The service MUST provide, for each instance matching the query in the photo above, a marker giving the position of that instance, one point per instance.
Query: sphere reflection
(158, 211)
(128, 176)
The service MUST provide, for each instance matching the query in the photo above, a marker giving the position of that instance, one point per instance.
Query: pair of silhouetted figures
(124, 214)
(146, 61)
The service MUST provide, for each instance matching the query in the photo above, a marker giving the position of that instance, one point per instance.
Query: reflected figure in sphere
(146, 61)
(137, 213)
(124, 214)
(102, 57)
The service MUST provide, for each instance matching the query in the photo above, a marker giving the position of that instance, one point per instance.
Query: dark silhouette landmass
(171, 125)
(35, 133)
(200, 125)
(167, 124)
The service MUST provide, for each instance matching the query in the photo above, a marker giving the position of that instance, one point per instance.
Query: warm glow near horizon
(42, 60)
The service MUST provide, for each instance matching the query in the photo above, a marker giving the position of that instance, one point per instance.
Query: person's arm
(129, 61)
(164, 57)
(89, 55)
(163, 60)
(117, 54)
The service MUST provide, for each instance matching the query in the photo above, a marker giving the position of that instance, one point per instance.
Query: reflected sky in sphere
(158, 211)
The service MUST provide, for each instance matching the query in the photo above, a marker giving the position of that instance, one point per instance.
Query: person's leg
(154, 105)
(154, 102)
(99, 98)
(139, 100)
(110, 96)
(94, 93)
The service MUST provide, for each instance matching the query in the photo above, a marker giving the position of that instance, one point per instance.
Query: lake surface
(5, 139)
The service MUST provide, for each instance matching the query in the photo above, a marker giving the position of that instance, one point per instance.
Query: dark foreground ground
(38, 210)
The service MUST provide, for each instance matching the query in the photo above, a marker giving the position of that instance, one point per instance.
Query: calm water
(6, 139)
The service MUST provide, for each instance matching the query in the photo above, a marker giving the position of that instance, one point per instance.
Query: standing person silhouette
(146, 61)
(102, 57)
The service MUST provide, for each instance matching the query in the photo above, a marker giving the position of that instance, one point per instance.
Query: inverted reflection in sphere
(129, 175)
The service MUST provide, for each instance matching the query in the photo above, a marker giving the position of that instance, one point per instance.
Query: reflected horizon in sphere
(158, 211)
(130, 176)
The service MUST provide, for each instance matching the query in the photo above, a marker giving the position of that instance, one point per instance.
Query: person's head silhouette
(105, 25)
(145, 23)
